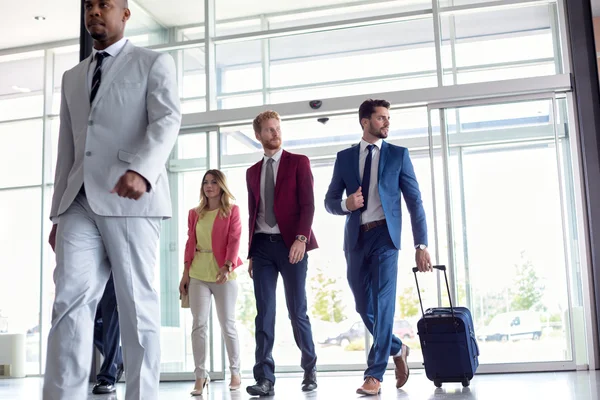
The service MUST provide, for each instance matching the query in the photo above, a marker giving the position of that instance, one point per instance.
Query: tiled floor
(535, 386)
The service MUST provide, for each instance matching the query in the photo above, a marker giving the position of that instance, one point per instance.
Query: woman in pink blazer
(211, 256)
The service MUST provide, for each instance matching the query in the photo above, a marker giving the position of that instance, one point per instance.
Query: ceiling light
(21, 89)
(39, 18)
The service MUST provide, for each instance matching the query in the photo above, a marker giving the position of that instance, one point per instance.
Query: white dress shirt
(374, 211)
(261, 224)
(114, 50)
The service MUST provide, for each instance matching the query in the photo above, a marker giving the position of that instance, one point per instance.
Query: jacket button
(88, 153)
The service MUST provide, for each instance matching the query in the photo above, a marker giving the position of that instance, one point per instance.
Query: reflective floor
(552, 385)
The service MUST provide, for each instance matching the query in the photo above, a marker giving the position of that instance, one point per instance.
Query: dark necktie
(270, 194)
(97, 77)
(366, 180)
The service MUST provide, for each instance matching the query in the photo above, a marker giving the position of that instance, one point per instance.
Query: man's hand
(355, 200)
(297, 252)
(250, 269)
(131, 185)
(423, 260)
(52, 238)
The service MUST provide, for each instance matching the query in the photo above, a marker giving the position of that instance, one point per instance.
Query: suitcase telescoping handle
(441, 268)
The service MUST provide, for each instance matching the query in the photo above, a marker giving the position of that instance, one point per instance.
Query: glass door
(506, 219)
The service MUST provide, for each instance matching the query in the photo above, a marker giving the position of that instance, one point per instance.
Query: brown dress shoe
(402, 371)
(371, 387)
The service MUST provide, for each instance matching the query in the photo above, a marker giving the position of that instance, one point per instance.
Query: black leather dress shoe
(310, 381)
(262, 387)
(103, 387)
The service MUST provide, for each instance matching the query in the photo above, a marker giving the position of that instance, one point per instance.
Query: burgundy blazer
(294, 202)
(226, 234)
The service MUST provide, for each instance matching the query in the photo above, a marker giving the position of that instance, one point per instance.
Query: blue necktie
(366, 180)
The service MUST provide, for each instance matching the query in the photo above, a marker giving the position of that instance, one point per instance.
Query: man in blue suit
(374, 173)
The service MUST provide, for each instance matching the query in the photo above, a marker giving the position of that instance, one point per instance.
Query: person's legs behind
(112, 365)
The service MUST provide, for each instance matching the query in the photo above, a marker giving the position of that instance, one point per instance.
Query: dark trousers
(269, 259)
(372, 275)
(107, 334)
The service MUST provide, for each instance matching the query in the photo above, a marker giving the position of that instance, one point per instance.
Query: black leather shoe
(262, 387)
(120, 370)
(310, 381)
(103, 387)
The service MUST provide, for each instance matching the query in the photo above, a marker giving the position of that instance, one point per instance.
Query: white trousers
(200, 301)
(88, 248)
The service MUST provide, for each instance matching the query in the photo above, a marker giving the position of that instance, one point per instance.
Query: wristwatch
(301, 238)
(421, 246)
(229, 267)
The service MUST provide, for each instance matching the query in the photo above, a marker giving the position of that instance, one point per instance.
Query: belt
(276, 237)
(371, 225)
(203, 251)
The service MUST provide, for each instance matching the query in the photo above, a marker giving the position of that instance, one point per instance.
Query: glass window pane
(194, 73)
(401, 48)
(21, 85)
(20, 260)
(517, 291)
(498, 44)
(22, 147)
(150, 20)
(191, 145)
(239, 66)
(280, 15)
(339, 129)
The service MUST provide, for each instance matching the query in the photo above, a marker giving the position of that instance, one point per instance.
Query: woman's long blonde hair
(226, 196)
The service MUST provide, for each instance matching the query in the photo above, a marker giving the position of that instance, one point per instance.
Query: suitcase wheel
(466, 383)
(437, 383)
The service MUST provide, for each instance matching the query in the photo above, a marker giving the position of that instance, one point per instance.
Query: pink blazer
(226, 235)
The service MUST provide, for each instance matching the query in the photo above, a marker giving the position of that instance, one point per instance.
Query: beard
(272, 144)
(99, 36)
(378, 132)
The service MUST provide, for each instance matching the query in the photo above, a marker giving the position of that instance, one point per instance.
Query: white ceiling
(20, 28)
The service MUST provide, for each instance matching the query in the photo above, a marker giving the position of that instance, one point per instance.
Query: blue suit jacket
(396, 176)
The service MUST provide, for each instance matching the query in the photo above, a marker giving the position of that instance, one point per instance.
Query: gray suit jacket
(131, 125)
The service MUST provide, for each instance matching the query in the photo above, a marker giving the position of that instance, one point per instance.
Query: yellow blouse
(204, 266)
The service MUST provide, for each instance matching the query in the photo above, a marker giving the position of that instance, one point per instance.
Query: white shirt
(114, 50)
(374, 211)
(261, 224)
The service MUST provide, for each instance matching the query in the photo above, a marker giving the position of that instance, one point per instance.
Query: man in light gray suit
(119, 120)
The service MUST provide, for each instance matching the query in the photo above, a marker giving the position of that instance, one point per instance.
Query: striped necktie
(97, 77)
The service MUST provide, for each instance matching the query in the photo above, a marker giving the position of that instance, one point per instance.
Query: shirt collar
(275, 157)
(114, 49)
(364, 144)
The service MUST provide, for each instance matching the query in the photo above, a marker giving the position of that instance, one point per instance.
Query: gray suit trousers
(88, 248)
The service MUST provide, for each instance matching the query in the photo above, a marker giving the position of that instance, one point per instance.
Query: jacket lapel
(256, 182)
(107, 79)
(382, 159)
(355, 158)
(83, 92)
(283, 167)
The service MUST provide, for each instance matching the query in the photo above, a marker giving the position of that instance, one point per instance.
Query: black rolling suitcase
(448, 341)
